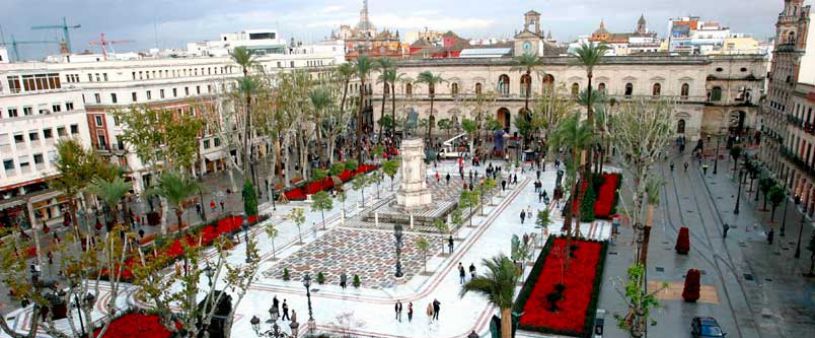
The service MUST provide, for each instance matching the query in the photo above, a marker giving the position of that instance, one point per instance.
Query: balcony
(796, 160)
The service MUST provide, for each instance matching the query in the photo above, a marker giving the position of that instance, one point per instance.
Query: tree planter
(683, 241)
(690, 293)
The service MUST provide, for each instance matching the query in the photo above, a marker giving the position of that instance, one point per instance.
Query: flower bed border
(532, 280)
(615, 199)
(131, 311)
(301, 190)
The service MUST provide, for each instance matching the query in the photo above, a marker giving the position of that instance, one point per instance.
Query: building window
(56, 108)
(28, 111)
(134, 75)
(217, 142)
(478, 88)
(47, 133)
(206, 144)
(98, 119)
(18, 138)
(453, 89)
(134, 96)
(575, 90)
(69, 106)
(175, 92)
(716, 94)
(90, 77)
(61, 132)
(161, 93)
(74, 129)
(680, 127)
(526, 81)
(197, 90)
(684, 91)
(601, 87)
(105, 77)
(8, 165)
(12, 112)
(408, 89)
(33, 136)
(657, 90)
(149, 95)
(629, 90)
(38, 159)
(503, 85)
(186, 91)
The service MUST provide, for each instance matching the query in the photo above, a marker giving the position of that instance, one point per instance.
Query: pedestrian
(686, 166)
(540, 196)
(429, 311)
(450, 243)
(538, 174)
(503, 185)
(523, 216)
(212, 205)
(198, 208)
(276, 304)
(436, 309)
(447, 178)
(285, 310)
(515, 179)
(472, 270)
(343, 280)
(293, 316)
(410, 311)
(726, 229)
(461, 273)
(438, 177)
(398, 309)
(672, 167)
(222, 205)
(771, 236)
(704, 169)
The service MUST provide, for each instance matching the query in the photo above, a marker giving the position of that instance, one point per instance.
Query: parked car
(705, 327)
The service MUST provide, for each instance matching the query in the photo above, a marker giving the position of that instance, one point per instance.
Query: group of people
(433, 309)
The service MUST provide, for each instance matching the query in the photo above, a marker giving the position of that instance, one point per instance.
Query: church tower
(530, 39)
(641, 27)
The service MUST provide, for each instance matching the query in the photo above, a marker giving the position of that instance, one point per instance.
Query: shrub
(587, 205)
(286, 274)
(683, 241)
(690, 293)
(320, 278)
(357, 282)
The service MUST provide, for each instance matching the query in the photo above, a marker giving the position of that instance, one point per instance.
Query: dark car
(705, 327)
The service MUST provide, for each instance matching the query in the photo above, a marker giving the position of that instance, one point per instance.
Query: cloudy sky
(170, 23)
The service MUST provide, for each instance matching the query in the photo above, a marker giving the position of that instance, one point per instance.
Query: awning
(214, 156)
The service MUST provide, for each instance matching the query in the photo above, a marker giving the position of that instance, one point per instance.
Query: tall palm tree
(177, 189)
(364, 66)
(588, 56)
(248, 86)
(244, 58)
(427, 77)
(527, 64)
(394, 77)
(112, 192)
(320, 99)
(498, 285)
(385, 66)
(344, 73)
(574, 135)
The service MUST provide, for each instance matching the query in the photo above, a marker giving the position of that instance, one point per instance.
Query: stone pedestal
(413, 192)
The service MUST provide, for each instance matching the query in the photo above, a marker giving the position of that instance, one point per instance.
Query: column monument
(413, 193)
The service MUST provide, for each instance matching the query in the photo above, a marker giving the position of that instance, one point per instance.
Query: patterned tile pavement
(368, 253)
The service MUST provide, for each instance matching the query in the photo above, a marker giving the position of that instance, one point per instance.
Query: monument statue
(413, 192)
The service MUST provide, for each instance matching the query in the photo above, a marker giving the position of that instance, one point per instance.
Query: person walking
(285, 310)
(398, 308)
(672, 167)
(704, 169)
(771, 236)
(410, 311)
(447, 178)
(436, 308)
(523, 216)
(726, 229)
(276, 304)
(450, 244)
(540, 196)
(430, 314)
(538, 174)
(472, 270)
(461, 273)
(503, 185)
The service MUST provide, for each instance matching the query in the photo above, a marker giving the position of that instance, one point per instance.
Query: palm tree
(345, 72)
(177, 189)
(320, 99)
(75, 165)
(427, 77)
(589, 55)
(111, 192)
(574, 135)
(527, 63)
(364, 66)
(498, 285)
(386, 67)
(245, 59)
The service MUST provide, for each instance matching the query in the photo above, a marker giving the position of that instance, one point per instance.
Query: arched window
(503, 85)
(575, 90)
(601, 87)
(791, 38)
(685, 90)
(657, 90)
(408, 89)
(454, 89)
(680, 127)
(526, 83)
(478, 88)
(548, 82)
(387, 89)
(716, 94)
(629, 89)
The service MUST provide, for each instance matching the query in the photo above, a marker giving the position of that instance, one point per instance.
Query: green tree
(321, 201)
(250, 199)
(112, 192)
(543, 220)
(391, 167)
(422, 245)
(776, 197)
(321, 100)
(181, 139)
(527, 64)
(441, 226)
(485, 188)
(468, 199)
(574, 135)
(318, 174)
(765, 183)
(431, 80)
(588, 56)
(498, 285)
(521, 251)
(359, 183)
(364, 66)
(640, 303)
(342, 196)
(298, 216)
(735, 153)
(387, 72)
(176, 189)
(446, 125)
(76, 167)
(272, 232)
(811, 248)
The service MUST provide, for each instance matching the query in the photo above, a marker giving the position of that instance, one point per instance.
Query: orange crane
(104, 44)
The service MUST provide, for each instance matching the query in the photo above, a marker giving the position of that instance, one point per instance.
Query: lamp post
(397, 232)
(209, 272)
(307, 283)
(716, 159)
(784, 220)
(800, 233)
(245, 227)
(738, 195)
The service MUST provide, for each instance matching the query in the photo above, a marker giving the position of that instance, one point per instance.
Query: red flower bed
(313, 187)
(136, 325)
(204, 237)
(606, 197)
(581, 281)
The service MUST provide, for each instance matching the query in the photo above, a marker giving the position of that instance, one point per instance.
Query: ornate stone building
(364, 39)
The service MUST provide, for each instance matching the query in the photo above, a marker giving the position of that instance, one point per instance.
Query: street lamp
(210, 272)
(800, 232)
(397, 232)
(738, 195)
(716, 159)
(784, 220)
(307, 283)
(245, 227)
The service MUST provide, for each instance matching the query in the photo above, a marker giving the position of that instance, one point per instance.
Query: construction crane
(66, 36)
(104, 44)
(15, 46)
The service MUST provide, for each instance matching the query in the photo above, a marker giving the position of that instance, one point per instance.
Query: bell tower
(532, 22)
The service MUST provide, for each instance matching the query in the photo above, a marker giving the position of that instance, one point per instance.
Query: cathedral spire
(364, 20)
(641, 28)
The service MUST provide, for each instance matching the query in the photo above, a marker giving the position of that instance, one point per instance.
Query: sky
(172, 23)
